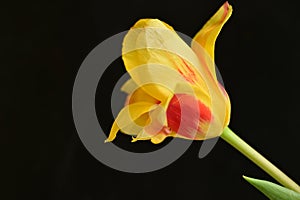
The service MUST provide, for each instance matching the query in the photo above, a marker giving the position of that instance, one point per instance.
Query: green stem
(258, 159)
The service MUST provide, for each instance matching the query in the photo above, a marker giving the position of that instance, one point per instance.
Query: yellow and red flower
(173, 90)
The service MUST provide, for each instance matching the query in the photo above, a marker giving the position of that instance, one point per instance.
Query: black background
(43, 45)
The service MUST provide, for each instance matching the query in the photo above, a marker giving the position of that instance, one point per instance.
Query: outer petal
(228, 106)
(157, 59)
(207, 36)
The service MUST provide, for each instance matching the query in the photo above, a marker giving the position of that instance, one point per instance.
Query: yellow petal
(207, 36)
(157, 58)
(228, 107)
(127, 116)
(139, 95)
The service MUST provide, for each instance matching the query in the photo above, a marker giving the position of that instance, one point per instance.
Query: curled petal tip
(226, 5)
(207, 36)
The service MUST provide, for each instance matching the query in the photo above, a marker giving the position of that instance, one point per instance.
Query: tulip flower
(174, 90)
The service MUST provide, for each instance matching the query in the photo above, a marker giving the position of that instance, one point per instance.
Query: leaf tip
(246, 178)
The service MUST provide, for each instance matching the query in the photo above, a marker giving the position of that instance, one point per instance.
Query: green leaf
(272, 190)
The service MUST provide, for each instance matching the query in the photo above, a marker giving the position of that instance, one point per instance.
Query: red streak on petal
(185, 113)
(226, 8)
(226, 5)
(187, 71)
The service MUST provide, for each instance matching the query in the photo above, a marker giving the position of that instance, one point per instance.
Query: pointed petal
(207, 36)
(127, 116)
